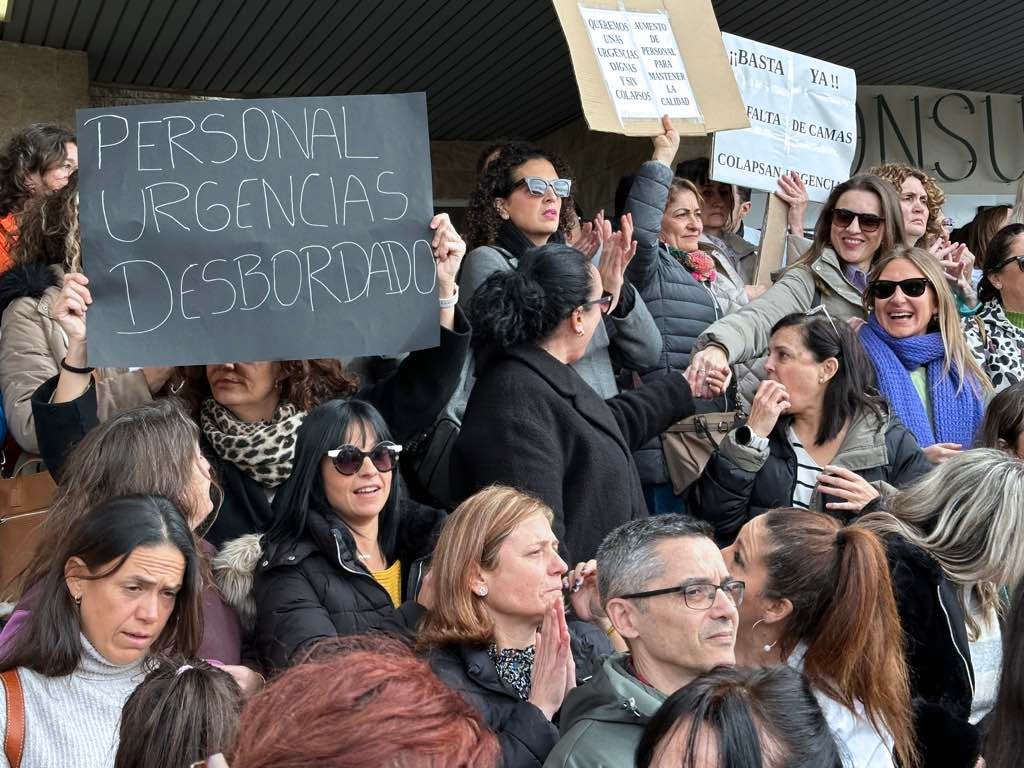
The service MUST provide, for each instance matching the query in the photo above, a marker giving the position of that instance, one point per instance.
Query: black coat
(525, 734)
(532, 423)
(938, 656)
(316, 587)
(729, 492)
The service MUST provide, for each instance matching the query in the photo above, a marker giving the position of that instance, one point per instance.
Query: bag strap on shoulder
(14, 698)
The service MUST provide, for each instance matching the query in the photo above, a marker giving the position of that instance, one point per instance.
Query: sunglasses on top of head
(868, 222)
(538, 186)
(348, 459)
(913, 287)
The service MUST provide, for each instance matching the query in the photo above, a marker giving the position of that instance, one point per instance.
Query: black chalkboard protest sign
(269, 229)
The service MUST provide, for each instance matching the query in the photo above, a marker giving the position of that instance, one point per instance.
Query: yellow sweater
(391, 580)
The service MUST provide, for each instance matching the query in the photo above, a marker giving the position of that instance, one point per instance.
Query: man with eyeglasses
(665, 588)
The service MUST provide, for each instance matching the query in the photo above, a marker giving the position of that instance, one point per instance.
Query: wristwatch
(746, 436)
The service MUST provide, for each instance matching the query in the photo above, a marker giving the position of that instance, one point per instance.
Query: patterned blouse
(515, 668)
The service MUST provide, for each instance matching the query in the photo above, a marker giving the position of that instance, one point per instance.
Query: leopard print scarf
(263, 450)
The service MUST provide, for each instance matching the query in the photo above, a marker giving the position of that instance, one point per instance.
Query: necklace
(363, 556)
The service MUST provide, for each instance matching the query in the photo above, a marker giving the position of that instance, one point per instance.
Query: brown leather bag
(24, 501)
(14, 698)
(688, 445)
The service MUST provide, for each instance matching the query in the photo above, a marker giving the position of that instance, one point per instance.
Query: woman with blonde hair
(497, 565)
(924, 364)
(955, 539)
(924, 225)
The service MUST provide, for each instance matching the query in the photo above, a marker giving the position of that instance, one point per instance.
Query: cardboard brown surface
(700, 45)
(772, 248)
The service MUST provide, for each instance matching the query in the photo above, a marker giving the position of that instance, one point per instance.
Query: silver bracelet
(452, 300)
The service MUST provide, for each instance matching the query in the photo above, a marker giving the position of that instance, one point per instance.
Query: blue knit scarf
(957, 416)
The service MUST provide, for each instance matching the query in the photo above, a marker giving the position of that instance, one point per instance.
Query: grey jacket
(744, 334)
(601, 722)
(635, 337)
(682, 307)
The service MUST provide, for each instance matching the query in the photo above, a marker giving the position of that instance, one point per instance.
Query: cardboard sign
(802, 117)
(633, 65)
(274, 229)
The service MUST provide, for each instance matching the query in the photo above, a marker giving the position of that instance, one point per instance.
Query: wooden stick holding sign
(772, 251)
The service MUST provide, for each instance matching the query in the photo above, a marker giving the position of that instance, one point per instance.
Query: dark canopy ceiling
(489, 68)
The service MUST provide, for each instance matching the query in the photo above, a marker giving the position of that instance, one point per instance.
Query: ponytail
(844, 611)
(526, 305)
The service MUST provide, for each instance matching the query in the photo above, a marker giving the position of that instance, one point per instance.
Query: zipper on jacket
(952, 636)
(337, 548)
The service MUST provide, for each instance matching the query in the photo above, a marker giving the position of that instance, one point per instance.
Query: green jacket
(602, 721)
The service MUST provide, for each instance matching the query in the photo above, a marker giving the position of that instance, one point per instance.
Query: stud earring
(78, 601)
(482, 591)
(579, 331)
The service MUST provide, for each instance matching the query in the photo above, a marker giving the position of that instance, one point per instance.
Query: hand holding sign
(666, 145)
(69, 313)
(793, 192)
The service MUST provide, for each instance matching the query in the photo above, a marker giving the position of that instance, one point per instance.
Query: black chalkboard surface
(270, 229)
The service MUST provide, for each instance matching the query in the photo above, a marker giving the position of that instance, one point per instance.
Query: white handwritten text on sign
(257, 230)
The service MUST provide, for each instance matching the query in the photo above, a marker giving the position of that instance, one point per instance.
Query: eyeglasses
(821, 309)
(604, 302)
(912, 287)
(869, 222)
(699, 596)
(538, 186)
(348, 459)
(1018, 259)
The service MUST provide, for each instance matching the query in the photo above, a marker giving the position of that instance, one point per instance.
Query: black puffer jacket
(316, 587)
(525, 734)
(740, 482)
(681, 306)
(938, 655)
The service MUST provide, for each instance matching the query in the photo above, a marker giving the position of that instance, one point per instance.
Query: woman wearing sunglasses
(522, 201)
(860, 221)
(925, 226)
(819, 598)
(996, 332)
(925, 368)
(346, 553)
(533, 423)
(818, 435)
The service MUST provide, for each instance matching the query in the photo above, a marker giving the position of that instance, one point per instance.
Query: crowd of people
(243, 563)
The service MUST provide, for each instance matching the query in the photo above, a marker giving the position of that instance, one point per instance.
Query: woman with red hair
(362, 702)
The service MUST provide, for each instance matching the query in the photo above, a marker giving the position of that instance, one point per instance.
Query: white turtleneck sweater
(73, 721)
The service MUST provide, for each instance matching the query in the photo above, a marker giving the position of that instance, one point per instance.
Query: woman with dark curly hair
(35, 161)
(34, 344)
(532, 422)
(523, 201)
(249, 411)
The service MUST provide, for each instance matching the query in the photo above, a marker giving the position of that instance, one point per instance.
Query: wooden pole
(774, 229)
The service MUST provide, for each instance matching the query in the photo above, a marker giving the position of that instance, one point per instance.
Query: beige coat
(32, 345)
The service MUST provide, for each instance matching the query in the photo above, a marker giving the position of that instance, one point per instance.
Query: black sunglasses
(348, 459)
(869, 222)
(699, 596)
(912, 287)
(538, 186)
(1018, 259)
(604, 302)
